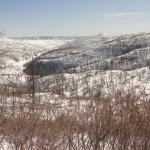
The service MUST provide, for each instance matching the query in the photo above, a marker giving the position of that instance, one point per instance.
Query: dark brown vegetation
(113, 122)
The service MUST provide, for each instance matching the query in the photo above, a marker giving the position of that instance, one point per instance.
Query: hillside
(125, 52)
(77, 93)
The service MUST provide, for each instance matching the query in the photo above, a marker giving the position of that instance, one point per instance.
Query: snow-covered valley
(98, 60)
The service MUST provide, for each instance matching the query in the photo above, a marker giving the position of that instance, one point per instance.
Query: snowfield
(45, 44)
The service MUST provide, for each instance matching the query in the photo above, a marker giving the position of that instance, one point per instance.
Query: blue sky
(73, 17)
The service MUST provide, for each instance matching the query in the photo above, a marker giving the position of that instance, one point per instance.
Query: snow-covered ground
(17, 52)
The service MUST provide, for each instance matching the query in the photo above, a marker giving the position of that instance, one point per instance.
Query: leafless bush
(120, 122)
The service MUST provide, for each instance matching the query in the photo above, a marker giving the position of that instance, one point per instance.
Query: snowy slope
(110, 63)
(98, 52)
(15, 53)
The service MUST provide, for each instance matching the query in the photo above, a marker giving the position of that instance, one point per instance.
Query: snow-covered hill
(125, 52)
(16, 52)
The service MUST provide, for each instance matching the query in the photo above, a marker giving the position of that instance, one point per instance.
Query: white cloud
(121, 14)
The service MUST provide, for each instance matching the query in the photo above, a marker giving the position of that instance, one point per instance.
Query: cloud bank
(120, 14)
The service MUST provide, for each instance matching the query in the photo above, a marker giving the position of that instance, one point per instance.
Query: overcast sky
(73, 17)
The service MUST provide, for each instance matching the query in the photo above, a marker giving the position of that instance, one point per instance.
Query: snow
(21, 51)
(18, 52)
(45, 44)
